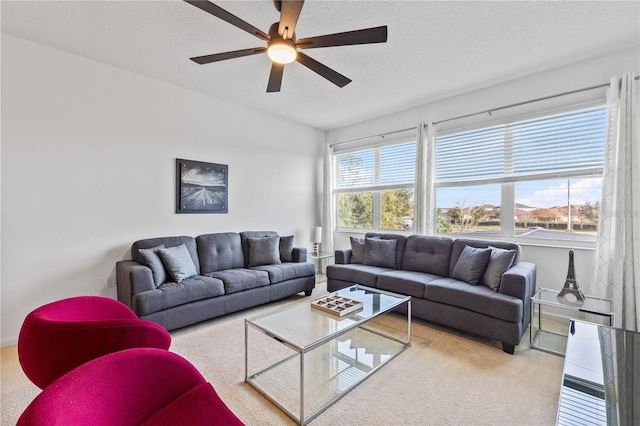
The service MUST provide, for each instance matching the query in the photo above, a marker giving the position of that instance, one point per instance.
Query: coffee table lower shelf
(305, 384)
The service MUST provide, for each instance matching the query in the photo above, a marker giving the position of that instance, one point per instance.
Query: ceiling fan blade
(315, 66)
(219, 12)
(206, 59)
(289, 13)
(365, 36)
(275, 78)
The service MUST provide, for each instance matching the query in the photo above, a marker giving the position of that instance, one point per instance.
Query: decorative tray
(337, 305)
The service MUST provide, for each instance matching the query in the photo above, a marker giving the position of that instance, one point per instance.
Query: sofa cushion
(427, 254)
(219, 252)
(378, 252)
(471, 265)
(400, 243)
(152, 259)
(264, 251)
(477, 298)
(287, 271)
(171, 294)
(177, 262)
(240, 279)
(460, 243)
(357, 250)
(190, 242)
(360, 274)
(500, 261)
(286, 248)
(244, 236)
(405, 282)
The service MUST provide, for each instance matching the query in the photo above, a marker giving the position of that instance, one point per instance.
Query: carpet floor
(444, 378)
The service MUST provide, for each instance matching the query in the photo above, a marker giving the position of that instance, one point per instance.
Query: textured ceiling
(434, 49)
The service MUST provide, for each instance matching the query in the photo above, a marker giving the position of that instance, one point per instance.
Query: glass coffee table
(600, 381)
(303, 358)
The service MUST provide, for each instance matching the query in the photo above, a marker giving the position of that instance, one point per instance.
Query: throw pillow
(499, 262)
(286, 248)
(357, 250)
(264, 251)
(178, 262)
(471, 264)
(152, 260)
(379, 252)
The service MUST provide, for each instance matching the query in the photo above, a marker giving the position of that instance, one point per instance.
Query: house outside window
(534, 179)
(374, 187)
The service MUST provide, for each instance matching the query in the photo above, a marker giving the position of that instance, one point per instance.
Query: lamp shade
(316, 234)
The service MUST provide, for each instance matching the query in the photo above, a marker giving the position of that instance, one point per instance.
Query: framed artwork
(201, 187)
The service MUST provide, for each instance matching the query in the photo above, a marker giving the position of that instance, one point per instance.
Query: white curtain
(420, 189)
(328, 212)
(617, 266)
(424, 210)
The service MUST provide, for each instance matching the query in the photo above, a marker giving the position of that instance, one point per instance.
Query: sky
(548, 193)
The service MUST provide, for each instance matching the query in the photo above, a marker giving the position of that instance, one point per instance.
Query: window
(536, 179)
(374, 187)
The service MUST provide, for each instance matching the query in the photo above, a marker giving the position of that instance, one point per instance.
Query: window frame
(376, 189)
(508, 188)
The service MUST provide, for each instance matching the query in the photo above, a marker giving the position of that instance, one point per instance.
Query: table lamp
(316, 239)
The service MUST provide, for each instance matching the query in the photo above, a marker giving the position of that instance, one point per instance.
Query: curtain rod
(381, 135)
(489, 111)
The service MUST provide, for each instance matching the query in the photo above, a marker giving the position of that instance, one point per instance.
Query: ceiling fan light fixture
(282, 51)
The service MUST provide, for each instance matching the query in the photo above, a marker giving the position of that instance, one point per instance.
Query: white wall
(88, 167)
(552, 262)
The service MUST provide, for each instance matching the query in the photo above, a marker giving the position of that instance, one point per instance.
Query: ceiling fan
(282, 44)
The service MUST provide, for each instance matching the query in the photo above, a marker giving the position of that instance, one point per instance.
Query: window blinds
(389, 166)
(560, 145)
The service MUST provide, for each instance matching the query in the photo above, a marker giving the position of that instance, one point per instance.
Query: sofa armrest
(132, 278)
(343, 256)
(520, 281)
(299, 254)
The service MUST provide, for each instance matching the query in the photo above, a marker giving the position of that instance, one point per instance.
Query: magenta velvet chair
(57, 337)
(132, 387)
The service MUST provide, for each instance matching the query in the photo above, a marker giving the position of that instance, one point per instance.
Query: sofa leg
(508, 348)
(308, 292)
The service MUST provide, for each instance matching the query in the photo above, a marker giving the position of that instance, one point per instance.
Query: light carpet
(444, 378)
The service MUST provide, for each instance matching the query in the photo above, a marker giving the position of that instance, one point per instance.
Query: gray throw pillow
(379, 252)
(357, 250)
(264, 251)
(178, 262)
(286, 248)
(471, 264)
(500, 261)
(152, 260)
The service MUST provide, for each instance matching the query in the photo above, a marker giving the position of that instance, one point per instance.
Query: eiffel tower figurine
(571, 286)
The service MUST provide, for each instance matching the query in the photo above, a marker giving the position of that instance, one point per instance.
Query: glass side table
(555, 341)
(318, 259)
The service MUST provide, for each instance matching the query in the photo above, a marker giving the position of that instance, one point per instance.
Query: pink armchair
(57, 337)
(132, 387)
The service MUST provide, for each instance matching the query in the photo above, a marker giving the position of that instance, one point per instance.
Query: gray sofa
(179, 281)
(483, 289)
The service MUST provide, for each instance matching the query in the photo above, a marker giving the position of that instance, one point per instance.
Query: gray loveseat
(179, 281)
(477, 286)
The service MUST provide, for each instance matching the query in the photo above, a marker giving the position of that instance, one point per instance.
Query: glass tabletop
(303, 326)
(591, 304)
(600, 379)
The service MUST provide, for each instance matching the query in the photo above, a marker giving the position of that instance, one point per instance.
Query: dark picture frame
(201, 187)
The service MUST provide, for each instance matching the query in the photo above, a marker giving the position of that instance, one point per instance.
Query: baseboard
(9, 341)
